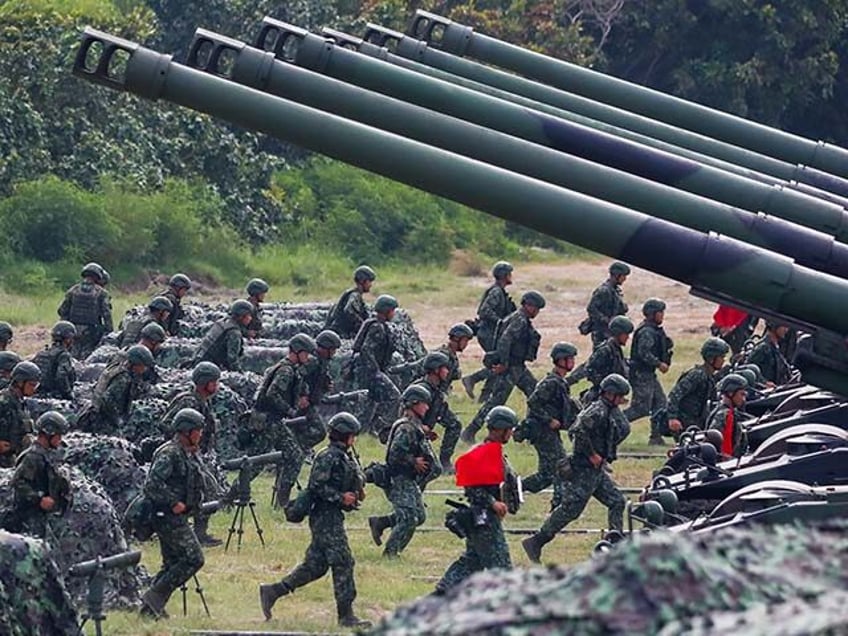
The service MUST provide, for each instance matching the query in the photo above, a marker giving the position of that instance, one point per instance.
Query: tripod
(244, 500)
(199, 590)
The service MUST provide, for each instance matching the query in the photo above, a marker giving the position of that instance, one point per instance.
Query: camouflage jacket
(172, 325)
(406, 442)
(223, 344)
(773, 366)
(317, 379)
(36, 476)
(190, 399)
(606, 302)
(15, 425)
(438, 401)
(113, 395)
(718, 420)
(57, 372)
(335, 471)
(600, 428)
(607, 358)
(150, 375)
(87, 304)
(495, 305)
(650, 347)
(175, 476)
(518, 341)
(348, 314)
(377, 345)
(455, 371)
(551, 400)
(280, 390)
(688, 399)
(255, 326)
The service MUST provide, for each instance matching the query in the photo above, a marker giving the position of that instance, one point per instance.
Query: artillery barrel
(295, 45)
(462, 40)
(706, 261)
(259, 69)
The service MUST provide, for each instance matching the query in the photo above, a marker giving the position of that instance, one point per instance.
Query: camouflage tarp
(658, 583)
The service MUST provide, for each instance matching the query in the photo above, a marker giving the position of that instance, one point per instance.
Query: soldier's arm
(598, 308)
(490, 306)
(542, 399)
(323, 482)
(681, 389)
(106, 312)
(233, 349)
(156, 487)
(114, 397)
(504, 346)
(65, 308)
(65, 376)
(278, 392)
(644, 349)
(23, 481)
(355, 310)
(582, 432)
(368, 353)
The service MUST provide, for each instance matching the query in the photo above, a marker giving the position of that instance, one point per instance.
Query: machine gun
(95, 571)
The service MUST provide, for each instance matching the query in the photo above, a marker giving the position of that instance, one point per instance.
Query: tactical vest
(337, 320)
(261, 403)
(383, 361)
(212, 346)
(660, 347)
(48, 361)
(110, 373)
(133, 328)
(85, 305)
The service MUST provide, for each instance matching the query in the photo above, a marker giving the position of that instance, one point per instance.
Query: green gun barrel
(260, 70)
(714, 265)
(617, 121)
(296, 45)
(462, 40)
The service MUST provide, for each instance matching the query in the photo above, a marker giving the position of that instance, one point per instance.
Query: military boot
(468, 385)
(201, 531)
(377, 525)
(153, 603)
(348, 619)
(533, 547)
(656, 440)
(469, 433)
(268, 595)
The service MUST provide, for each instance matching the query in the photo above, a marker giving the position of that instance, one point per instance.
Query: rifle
(344, 396)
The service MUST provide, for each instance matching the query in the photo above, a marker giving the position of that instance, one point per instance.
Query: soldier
(116, 389)
(256, 290)
(725, 418)
(517, 343)
(178, 286)
(767, 355)
(495, 305)
(372, 353)
(606, 301)
(550, 410)
(158, 311)
(152, 336)
(204, 377)
(57, 366)
(15, 421)
(8, 360)
(458, 338)
(88, 306)
(605, 359)
(39, 487)
(174, 489)
(316, 375)
(282, 395)
(485, 543)
(599, 429)
(5, 335)
(348, 314)
(223, 344)
(336, 485)
(687, 401)
(650, 352)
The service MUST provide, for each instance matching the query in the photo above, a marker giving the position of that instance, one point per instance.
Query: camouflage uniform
(371, 359)
(89, 307)
(518, 343)
(335, 471)
(605, 359)
(15, 425)
(132, 329)
(600, 427)
(317, 377)
(175, 476)
(606, 302)
(348, 314)
(37, 475)
(495, 305)
(720, 417)
(406, 442)
(255, 325)
(688, 399)
(57, 372)
(773, 366)
(550, 401)
(147, 379)
(441, 413)
(111, 401)
(223, 344)
(649, 349)
(485, 544)
(172, 324)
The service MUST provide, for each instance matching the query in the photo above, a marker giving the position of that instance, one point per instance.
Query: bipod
(237, 524)
(199, 590)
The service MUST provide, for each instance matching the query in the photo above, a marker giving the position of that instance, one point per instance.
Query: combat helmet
(435, 360)
(533, 298)
(385, 303)
(344, 424)
(51, 423)
(652, 306)
(92, 269)
(139, 354)
(26, 371)
(62, 330)
(5, 331)
(240, 308)
(615, 383)
(8, 360)
(363, 272)
(301, 342)
(731, 383)
(713, 348)
(187, 420)
(256, 286)
(460, 330)
(501, 269)
(160, 303)
(501, 417)
(153, 331)
(619, 269)
(179, 281)
(563, 350)
(620, 325)
(328, 339)
(205, 372)
(415, 393)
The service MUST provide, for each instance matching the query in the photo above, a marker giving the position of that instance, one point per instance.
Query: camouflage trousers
(382, 407)
(453, 427)
(550, 451)
(182, 555)
(408, 514)
(312, 432)
(579, 487)
(648, 395)
(485, 548)
(502, 387)
(328, 550)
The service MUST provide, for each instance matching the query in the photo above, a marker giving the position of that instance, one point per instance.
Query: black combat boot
(348, 619)
(447, 465)
(281, 499)
(468, 385)
(201, 531)
(268, 595)
(153, 603)
(533, 547)
(377, 525)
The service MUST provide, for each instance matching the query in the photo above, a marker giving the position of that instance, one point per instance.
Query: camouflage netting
(33, 599)
(756, 580)
(88, 529)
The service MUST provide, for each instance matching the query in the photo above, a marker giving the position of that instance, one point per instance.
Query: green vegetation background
(90, 174)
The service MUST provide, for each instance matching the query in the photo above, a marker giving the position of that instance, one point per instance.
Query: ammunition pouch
(527, 431)
(490, 359)
(139, 518)
(534, 340)
(585, 327)
(564, 469)
(460, 520)
(378, 474)
(474, 324)
(299, 508)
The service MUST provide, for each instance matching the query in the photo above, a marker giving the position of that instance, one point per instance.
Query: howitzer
(296, 45)
(714, 266)
(256, 68)
(344, 396)
(462, 40)
(416, 55)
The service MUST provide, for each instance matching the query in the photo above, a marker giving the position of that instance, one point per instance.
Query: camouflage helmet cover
(732, 383)
(257, 286)
(713, 348)
(460, 330)
(205, 372)
(344, 423)
(240, 308)
(8, 360)
(501, 269)
(615, 383)
(363, 272)
(501, 417)
(563, 350)
(51, 423)
(139, 354)
(160, 303)
(620, 325)
(62, 330)
(180, 281)
(301, 342)
(533, 298)
(435, 360)
(26, 371)
(415, 393)
(92, 269)
(652, 306)
(385, 303)
(328, 339)
(188, 420)
(154, 332)
(5, 331)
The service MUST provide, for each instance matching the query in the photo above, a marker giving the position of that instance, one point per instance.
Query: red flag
(481, 466)
(727, 434)
(728, 317)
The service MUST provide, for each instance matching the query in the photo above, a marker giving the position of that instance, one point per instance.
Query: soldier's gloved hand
(349, 499)
(178, 508)
(47, 503)
(421, 465)
(554, 424)
(499, 508)
(675, 426)
(5, 447)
